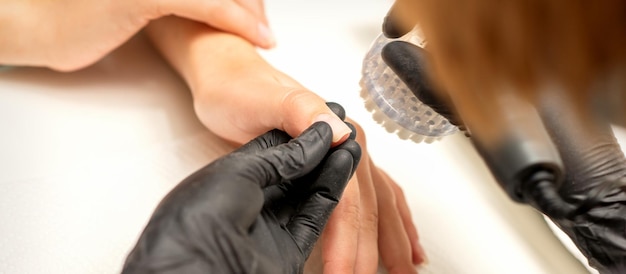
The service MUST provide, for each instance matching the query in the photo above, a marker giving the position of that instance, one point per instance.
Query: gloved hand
(259, 209)
(590, 203)
(595, 180)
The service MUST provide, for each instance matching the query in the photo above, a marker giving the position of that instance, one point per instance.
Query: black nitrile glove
(589, 202)
(259, 209)
(403, 57)
(595, 180)
(400, 19)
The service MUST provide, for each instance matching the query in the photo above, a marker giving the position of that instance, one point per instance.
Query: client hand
(69, 34)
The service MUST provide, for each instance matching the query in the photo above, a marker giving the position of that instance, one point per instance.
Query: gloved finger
(324, 194)
(586, 143)
(400, 19)
(352, 135)
(284, 198)
(224, 15)
(340, 238)
(354, 148)
(341, 113)
(594, 165)
(419, 254)
(270, 139)
(393, 241)
(276, 137)
(337, 109)
(281, 201)
(410, 63)
(249, 173)
(275, 193)
(293, 159)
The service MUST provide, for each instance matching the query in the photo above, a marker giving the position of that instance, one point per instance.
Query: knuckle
(370, 221)
(298, 98)
(397, 189)
(385, 192)
(349, 213)
(390, 196)
(398, 195)
(296, 107)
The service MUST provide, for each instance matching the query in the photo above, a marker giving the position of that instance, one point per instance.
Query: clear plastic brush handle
(391, 102)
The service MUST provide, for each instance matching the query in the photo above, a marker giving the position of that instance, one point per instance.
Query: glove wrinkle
(270, 139)
(299, 156)
(310, 219)
(594, 180)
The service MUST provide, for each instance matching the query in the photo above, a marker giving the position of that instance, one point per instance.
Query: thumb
(228, 16)
(300, 108)
(307, 224)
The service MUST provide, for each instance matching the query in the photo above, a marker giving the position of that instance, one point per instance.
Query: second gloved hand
(259, 209)
(589, 203)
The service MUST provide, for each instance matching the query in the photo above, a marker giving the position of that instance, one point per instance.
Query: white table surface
(86, 156)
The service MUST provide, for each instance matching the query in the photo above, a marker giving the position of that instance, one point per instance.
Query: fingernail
(267, 35)
(339, 127)
(420, 257)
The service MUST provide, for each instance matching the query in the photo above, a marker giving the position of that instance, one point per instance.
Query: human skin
(67, 35)
(238, 95)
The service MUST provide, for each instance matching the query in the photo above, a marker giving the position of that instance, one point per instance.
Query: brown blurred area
(482, 47)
